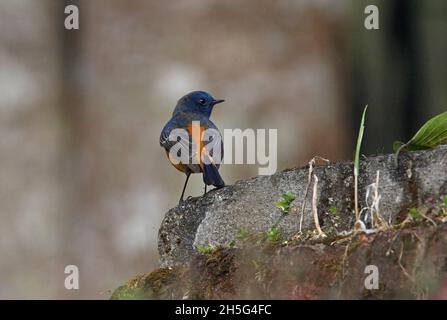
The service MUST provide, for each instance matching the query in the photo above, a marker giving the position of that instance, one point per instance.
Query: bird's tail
(211, 176)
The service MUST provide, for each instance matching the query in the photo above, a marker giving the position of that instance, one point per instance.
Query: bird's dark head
(199, 102)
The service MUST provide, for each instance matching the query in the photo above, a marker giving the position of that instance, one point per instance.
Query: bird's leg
(204, 192)
(184, 187)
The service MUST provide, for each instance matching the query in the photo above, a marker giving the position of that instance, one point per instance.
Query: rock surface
(411, 263)
(216, 219)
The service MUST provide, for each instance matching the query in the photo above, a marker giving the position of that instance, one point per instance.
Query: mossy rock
(158, 284)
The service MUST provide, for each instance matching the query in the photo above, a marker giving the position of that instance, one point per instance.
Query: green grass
(242, 234)
(333, 210)
(415, 214)
(273, 234)
(205, 249)
(357, 163)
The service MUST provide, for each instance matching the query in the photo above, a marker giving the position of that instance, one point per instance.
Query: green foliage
(285, 202)
(333, 210)
(289, 196)
(431, 134)
(442, 205)
(273, 234)
(243, 234)
(415, 215)
(205, 249)
(359, 141)
(128, 293)
(357, 162)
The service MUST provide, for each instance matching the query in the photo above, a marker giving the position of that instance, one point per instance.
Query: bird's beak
(218, 101)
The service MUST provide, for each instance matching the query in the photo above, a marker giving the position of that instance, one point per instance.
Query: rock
(216, 218)
(410, 263)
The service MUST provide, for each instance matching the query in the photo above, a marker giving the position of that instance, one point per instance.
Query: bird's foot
(182, 201)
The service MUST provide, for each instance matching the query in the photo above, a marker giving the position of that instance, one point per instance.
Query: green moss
(415, 215)
(243, 234)
(333, 210)
(155, 285)
(273, 234)
(206, 249)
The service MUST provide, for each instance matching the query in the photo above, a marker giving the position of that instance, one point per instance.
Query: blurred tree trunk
(88, 232)
(399, 70)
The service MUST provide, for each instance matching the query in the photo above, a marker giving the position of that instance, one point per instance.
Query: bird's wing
(183, 141)
(196, 135)
(166, 143)
(164, 135)
(211, 154)
(211, 150)
(214, 143)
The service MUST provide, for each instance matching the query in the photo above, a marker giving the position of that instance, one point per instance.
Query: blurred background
(83, 180)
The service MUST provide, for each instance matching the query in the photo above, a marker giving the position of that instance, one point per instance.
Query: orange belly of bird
(196, 132)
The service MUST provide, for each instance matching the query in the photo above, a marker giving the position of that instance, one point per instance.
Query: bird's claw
(181, 201)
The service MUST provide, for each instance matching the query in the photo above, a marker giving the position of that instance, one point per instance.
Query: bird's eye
(202, 101)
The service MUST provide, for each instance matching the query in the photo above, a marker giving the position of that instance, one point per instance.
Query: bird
(192, 115)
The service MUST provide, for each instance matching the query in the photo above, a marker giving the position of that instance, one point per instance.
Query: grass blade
(357, 163)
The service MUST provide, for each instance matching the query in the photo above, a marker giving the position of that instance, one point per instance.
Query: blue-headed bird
(192, 115)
